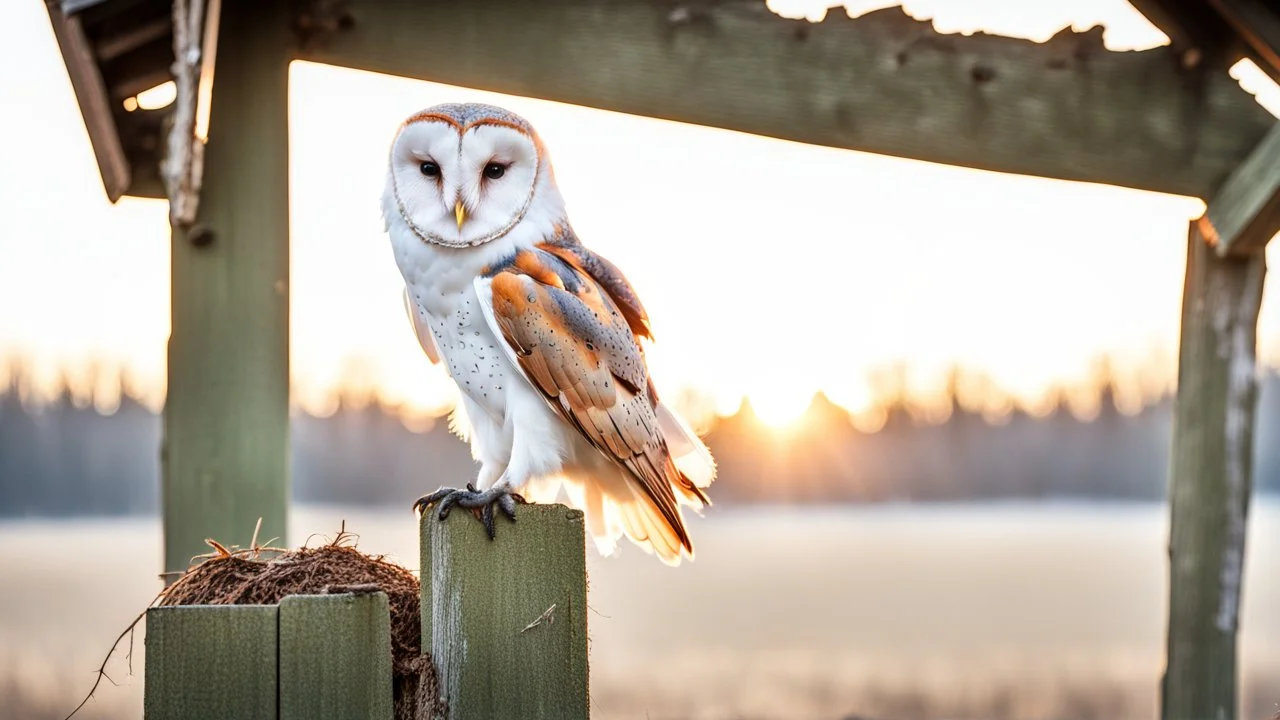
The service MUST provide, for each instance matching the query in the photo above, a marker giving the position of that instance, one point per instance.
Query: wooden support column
(1212, 478)
(227, 413)
(506, 619)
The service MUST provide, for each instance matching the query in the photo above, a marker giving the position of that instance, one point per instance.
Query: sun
(779, 408)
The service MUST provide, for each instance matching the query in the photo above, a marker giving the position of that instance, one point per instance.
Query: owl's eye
(430, 169)
(493, 171)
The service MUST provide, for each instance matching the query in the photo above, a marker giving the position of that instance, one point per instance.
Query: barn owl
(541, 335)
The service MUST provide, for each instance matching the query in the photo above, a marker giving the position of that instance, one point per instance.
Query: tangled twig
(102, 669)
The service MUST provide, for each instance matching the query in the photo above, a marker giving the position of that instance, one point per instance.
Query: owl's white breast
(440, 284)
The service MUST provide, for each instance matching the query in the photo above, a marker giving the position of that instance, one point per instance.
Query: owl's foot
(480, 503)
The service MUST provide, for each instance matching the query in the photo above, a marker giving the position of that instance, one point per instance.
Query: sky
(840, 264)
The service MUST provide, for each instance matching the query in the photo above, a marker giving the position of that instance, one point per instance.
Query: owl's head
(462, 175)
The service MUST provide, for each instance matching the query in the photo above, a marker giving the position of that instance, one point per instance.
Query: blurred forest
(67, 458)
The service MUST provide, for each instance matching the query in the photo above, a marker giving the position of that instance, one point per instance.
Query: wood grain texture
(335, 657)
(1212, 479)
(211, 662)
(227, 413)
(883, 83)
(500, 648)
(95, 104)
(1245, 213)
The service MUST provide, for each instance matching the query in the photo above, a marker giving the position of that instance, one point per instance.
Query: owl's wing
(420, 329)
(690, 453)
(611, 280)
(573, 344)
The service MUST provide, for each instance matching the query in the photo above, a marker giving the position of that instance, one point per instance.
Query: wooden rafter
(1245, 213)
(95, 104)
(1258, 24)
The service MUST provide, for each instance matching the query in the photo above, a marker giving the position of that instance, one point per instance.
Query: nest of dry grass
(266, 575)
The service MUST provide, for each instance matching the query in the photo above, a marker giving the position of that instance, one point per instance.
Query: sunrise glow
(771, 270)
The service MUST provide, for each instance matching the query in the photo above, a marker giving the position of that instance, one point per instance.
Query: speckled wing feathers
(578, 348)
(611, 280)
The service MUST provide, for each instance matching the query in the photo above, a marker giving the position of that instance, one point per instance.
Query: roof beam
(883, 83)
(1245, 213)
(95, 104)
(1259, 26)
(114, 46)
(1193, 26)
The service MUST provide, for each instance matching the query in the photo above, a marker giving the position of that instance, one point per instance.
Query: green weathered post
(335, 657)
(1212, 478)
(226, 417)
(506, 619)
(211, 662)
(1213, 436)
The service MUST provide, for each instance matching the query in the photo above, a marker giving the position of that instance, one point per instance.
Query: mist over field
(989, 611)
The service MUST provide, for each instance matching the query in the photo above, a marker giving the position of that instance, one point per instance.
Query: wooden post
(226, 417)
(506, 619)
(335, 657)
(1212, 478)
(211, 662)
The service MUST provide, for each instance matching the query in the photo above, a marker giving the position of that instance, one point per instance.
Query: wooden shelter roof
(1167, 119)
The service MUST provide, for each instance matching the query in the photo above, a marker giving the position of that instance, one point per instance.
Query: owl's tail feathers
(615, 507)
(697, 469)
(645, 524)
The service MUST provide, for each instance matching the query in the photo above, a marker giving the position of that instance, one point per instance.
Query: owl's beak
(460, 213)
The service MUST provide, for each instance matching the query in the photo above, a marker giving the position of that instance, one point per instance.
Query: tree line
(62, 458)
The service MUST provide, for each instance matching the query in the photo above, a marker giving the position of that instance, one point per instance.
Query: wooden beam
(227, 414)
(335, 657)
(1193, 26)
(210, 662)
(1245, 213)
(883, 83)
(1259, 26)
(95, 104)
(506, 619)
(132, 38)
(1212, 478)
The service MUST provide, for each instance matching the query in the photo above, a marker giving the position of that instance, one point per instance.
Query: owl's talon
(508, 504)
(421, 504)
(480, 502)
(486, 519)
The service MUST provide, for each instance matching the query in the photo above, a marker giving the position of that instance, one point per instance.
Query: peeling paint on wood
(1212, 478)
(883, 83)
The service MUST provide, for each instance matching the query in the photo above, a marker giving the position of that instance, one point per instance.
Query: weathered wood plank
(1245, 213)
(1258, 23)
(210, 662)
(506, 619)
(883, 83)
(226, 418)
(335, 657)
(1212, 478)
(95, 104)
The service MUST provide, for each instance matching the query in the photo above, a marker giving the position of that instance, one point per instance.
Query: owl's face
(463, 175)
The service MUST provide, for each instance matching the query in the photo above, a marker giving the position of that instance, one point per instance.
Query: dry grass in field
(915, 613)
